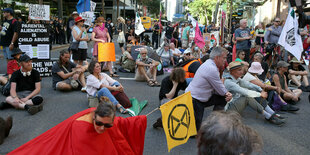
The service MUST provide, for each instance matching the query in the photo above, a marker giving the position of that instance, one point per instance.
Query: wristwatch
(14, 96)
(12, 43)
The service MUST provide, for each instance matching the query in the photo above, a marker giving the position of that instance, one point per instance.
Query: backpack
(5, 90)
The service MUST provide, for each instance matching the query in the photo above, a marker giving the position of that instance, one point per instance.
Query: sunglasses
(143, 53)
(277, 21)
(188, 54)
(106, 125)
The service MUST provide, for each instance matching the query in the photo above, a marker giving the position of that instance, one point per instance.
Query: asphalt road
(292, 138)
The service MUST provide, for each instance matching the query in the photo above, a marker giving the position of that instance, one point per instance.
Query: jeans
(165, 64)
(189, 80)
(106, 92)
(7, 52)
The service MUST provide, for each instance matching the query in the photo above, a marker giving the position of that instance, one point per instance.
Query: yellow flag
(106, 52)
(178, 120)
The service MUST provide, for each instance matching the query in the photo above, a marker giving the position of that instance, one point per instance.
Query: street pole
(60, 8)
(40, 2)
(124, 8)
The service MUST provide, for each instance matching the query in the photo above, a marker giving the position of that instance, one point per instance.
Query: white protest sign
(39, 12)
(92, 6)
(88, 17)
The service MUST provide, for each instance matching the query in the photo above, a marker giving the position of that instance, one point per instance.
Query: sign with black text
(39, 12)
(33, 39)
(44, 67)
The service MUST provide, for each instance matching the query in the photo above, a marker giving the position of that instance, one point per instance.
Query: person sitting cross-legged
(297, 74)
(67, 75)
(146, 69)
(25, 88)
(246, 93)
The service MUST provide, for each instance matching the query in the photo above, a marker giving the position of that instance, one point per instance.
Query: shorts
(7, 52)
(25, 93)
(67, 81)
(140, 77)
(80, 54)
(121, 45)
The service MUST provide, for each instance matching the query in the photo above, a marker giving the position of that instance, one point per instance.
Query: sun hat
(256, 67)
(234, 65)
(294, 60)
(78, 19)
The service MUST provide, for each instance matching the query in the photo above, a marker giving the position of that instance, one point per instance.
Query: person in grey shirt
(246, 93)
(207, 89)
(273, 32)
(243, 38)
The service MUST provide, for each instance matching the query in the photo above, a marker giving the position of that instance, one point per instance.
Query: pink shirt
(99, 34)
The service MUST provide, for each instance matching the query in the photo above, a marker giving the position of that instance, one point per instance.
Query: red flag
(159, 24)
(79, 137)
(199, 41)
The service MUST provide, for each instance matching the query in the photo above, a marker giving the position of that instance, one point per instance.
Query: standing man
(9, 33)
(207, 89)
(60, 29)
(25, 87)
(169, 30)
(155, 35)
(273, 32)
(243, 38)
(109, 27)
(70, 25)
(185, 35)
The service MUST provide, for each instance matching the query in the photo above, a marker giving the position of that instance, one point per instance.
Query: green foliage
(152, 6)
(202, 9)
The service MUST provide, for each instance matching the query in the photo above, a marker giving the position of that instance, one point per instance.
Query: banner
(178, 120)
(39, 12)
(33, 39)
(138, 25)
(289, 38)
(83, 6)
(199, 41)
(89, 16)
(44, 67)
(106, 52)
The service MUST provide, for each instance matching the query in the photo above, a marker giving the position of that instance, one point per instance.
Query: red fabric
(305, 45)
(12, 66)
(79, 138)
(234, 51)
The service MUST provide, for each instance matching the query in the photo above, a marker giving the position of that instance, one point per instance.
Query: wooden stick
(152, 111)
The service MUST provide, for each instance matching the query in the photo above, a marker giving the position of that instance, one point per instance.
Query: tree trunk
(124, 9)
(40, 2)
(215, 12)
(117, 8)
(278, 8)
(103, 4)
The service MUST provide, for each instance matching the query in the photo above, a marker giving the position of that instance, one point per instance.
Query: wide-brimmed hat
(282, 64)
(74, 13)
(294, 60)
(256, 67)
(78, 19)
(234, 65)
(16, 51)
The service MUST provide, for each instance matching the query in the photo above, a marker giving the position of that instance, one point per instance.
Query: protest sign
(89, 16)
(106, 52)
(39, 12)
(44, 67)
(34, 40)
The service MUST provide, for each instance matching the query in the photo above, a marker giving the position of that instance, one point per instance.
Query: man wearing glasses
(92, 131)
(273, 32)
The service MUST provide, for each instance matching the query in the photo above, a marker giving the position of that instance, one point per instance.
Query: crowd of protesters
(267, 82)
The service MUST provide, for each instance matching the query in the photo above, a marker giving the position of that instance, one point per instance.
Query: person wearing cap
(25, 87)
(274, 99)
(109, 26)
(155, 35)
(279, 79)
(206, 88)
(245, 93)
(60, 31)
(79, 34)
(71, 23)
(298, 74)
(166, 56)
(9, 33)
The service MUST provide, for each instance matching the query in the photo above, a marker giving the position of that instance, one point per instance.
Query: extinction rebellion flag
(289, 38)
(178, 120)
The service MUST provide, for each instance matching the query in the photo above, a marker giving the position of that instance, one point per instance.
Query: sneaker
(303, 88)
(289, 108)
(158, 124)
(279, 116)
(274, 120)
(83, 89)
(8, 125)
(35, 109)
(2, 105)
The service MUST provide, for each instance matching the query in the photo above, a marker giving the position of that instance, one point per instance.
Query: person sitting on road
(166, 56)
(279, 80)
(92, 131)
(274, 99)
(298, 74)
(170, 87)
(224, 133)
(134, 41)
(128, 64)
(5, 127)
(258, 57)
(240, 58)
(190, 65)
(176, 52)
(100, 84)
(67, 75)
(246, 93)
(25, 88)
(146, 69)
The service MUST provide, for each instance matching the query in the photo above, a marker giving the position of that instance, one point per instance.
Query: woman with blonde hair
(121, 33)
(100, 34)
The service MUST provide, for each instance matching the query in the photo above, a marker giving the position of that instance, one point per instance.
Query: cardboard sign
(33, 39)
(106, 52)
(88, 16)
(39, 12)
(44, 67)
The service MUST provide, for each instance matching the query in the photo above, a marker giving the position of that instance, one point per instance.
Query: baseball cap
(10, 10)
(282, 64)
(24, 58)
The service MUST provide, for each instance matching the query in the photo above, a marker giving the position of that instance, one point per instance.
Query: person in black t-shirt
(25, 87)
(169, 31)
(170, 87)
(155, 35)
(109, 27)
(298, 74)
(60, 29)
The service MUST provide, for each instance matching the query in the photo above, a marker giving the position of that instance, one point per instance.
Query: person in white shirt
(175, 52)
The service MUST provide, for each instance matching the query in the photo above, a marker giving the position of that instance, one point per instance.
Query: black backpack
(5, 90)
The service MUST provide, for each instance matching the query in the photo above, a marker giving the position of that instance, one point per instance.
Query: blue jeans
(7, 52)
(106, 92)
(188, 80)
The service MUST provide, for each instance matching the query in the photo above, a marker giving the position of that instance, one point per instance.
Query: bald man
(243, 38)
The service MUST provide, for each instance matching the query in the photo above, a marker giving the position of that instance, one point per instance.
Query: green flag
(136, 106)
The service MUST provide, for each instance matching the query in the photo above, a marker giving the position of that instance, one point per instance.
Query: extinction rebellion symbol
(290, 37)
(178, 122)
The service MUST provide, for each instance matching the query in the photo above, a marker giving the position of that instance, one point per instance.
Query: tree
(152, 6)
(202, 9)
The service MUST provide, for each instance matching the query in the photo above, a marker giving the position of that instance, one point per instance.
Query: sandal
(150, 83)
(114, 75)
(122, 110)
(156, 84)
